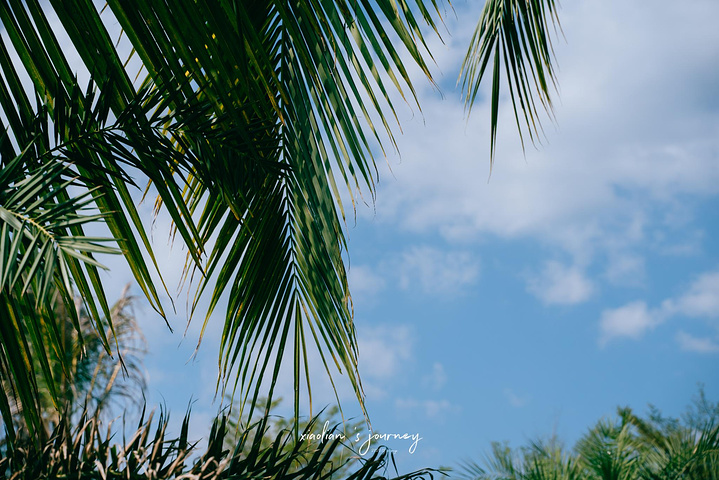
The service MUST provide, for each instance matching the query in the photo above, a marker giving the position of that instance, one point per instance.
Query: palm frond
(86, 450)
(35, 239)
(43, 252)
(287, 84)
(676, 451)
(252, 121)
(609, 450)
(518, 35)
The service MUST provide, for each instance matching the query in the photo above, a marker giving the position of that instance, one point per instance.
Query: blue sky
(578, 277)
(581, 276)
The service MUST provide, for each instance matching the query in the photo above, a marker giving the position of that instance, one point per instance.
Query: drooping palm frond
(518, 35)
(268, 112)
(64, 116)
(58, 157)
(289, 83)
(35, 238)
(252, 121)
(49, 194)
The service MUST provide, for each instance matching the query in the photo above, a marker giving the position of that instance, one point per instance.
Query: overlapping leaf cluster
(250, 121)
(628, 447)
(89, 452)
(248, 125)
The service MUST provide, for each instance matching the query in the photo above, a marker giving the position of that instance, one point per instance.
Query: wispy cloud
(625, 269)
(384, 351)
(606, 184)
(436, 272)
(690, 343)
(560, 284)
(365, 283)
(700, 300)
(632, 321)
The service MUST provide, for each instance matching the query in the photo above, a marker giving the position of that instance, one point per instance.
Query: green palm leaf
(35, 241)
(245, 124)
(518, 34)
(42, 253)
(250, 126)
(286, 84)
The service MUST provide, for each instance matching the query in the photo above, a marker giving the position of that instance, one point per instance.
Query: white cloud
(559, 284)
(625, 269)
(631, 320)
(384, 351)
(633, 139)
(435, 271)
(701, 299)
(364, 282)
(691, 343)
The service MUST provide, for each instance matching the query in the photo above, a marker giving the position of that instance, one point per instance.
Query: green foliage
(518, 35)
(150, 453)
(92, 379)
(538, 461)
(246, 120)
(49, 193)
(84, 376)
(327, 424)
(624, 448)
